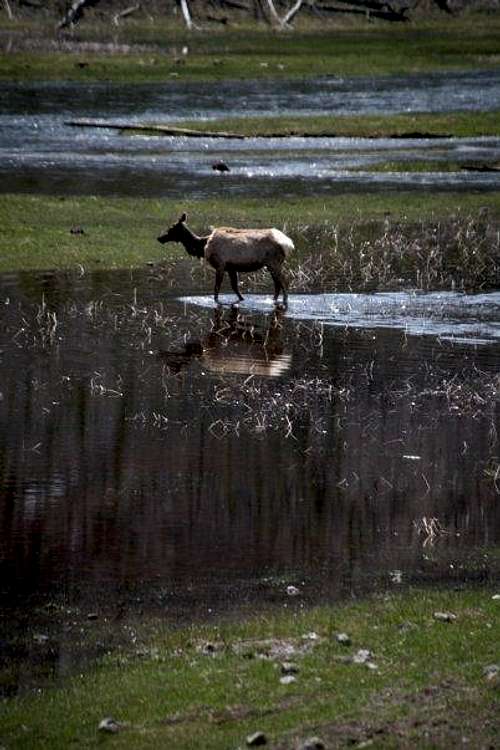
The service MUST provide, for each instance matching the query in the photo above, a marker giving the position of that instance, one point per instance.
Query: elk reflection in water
(235, 344)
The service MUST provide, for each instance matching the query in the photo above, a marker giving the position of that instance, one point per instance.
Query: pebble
(362, 656)
(445, 616)
(257, 738)
(109, 725)
(292, 591)
(289, 667)
(491, 671)
(288, 679)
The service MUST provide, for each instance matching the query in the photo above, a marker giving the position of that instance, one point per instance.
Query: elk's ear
(183, 218)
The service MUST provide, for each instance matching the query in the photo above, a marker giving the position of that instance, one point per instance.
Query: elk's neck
(193, 244)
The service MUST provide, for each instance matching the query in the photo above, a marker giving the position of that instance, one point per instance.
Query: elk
(235, 251)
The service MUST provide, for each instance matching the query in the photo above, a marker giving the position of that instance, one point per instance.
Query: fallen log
(151, 128)
(125, 13)
(482, 167)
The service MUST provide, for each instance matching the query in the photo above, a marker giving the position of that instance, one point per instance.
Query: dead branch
(8, 10)
(124, 13)
(186, 14)
(75, 13)
(370, 8)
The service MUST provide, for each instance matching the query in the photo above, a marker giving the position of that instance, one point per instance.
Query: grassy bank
(346, 242)
(363, 241)
(418, 679)
(149, 51)
(458, 124)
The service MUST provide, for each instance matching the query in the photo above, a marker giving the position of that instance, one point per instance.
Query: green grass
(428, 689)
(35, 231)
(459, 124)
(253, 52)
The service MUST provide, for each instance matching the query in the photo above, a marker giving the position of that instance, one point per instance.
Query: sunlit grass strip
(211, 686)
(456, 124)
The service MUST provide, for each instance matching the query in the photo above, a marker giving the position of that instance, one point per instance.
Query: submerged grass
(38, 232)
(417, 679)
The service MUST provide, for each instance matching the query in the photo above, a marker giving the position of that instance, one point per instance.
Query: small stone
(289, 667)
(92, 616)
(362, 656)
(343, 638)
(491, 671)
(288, 679)
(257, 738)
(109, 725)
(445, 616)
(396, 576)
(292, 591)
(313, 743)
(312, 636)
(496, 597)
(77, 230)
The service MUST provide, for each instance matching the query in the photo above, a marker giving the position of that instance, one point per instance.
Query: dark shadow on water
(149, 464)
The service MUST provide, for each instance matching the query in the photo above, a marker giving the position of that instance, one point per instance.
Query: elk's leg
(219, 275)
(279, 284)
(233, 278)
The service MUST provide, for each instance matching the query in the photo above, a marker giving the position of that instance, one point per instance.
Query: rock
(92, 616)
(444, 616)
(292, 591)
(343, 638)
(109, 725)
(288, 679)
(491, 671)
(362, 656)
(312, 636)
(77, 230)
(495, 597)
(257, 738)
(313, 743)
(289, 667)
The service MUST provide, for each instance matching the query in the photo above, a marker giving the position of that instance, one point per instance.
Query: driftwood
(482, 167)
(8, 10)
(124, 13)
(369, 8)
(282, 22)
(153, 128)
(186, 14)
(75, 13)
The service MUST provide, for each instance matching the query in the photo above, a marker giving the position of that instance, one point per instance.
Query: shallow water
(159, 455)
(466, 318)
(39, 152)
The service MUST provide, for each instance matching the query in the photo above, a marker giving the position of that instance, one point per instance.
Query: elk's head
(175, 233)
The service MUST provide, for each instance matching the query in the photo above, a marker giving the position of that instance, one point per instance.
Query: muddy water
(159, 456)
(39, 152)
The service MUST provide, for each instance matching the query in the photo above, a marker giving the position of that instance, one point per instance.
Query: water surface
(39, 152)
(160, 451)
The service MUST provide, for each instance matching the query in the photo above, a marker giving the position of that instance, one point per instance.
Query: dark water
(39, 152)
(158, 456)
